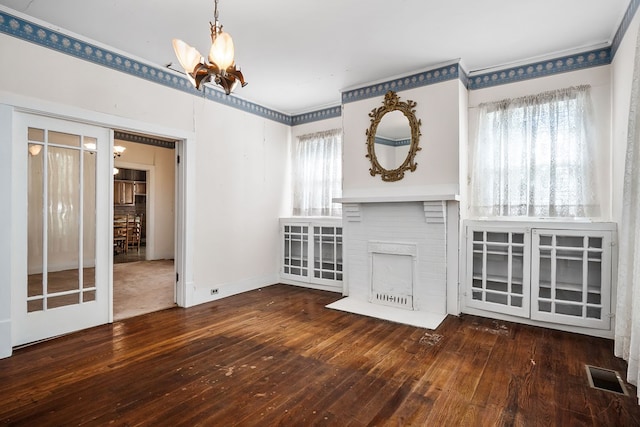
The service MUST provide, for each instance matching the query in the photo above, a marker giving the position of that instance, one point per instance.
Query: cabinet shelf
(570, 248)
(499, 279)
(480, 251)
(504, 244)
(570, 258)
(573, 287)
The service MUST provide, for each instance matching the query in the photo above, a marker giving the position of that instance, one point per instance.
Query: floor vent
(605, 379)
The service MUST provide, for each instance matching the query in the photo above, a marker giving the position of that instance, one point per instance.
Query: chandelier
(220, 67)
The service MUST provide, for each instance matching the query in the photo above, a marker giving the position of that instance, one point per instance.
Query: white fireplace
(401, 258)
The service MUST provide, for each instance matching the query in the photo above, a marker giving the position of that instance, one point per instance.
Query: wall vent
(605, 379)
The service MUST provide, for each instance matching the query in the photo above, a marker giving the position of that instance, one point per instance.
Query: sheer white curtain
(627, 337)
(534, 157)
(317, 174)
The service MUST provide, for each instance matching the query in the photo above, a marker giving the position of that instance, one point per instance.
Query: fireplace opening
(392, 268)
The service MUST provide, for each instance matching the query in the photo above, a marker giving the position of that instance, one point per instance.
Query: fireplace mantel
(398, 198)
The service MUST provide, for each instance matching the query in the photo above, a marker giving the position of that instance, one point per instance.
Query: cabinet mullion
(585, 275)
(485, 251)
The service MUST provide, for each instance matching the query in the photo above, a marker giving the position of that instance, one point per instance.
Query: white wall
(600, 80)
(6, 232)
(621, 77)
(463, 157)
(239, 167)
(438, 107)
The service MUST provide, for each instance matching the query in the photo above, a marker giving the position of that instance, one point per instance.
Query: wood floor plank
(277, 356)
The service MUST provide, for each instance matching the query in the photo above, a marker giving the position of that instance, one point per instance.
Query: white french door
(64, 286)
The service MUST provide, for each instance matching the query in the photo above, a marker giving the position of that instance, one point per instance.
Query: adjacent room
(342, 213)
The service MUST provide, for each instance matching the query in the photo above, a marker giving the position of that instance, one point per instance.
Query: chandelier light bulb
(222, 52)
(188, 56)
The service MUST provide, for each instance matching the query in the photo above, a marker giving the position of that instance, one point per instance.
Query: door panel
(67, 229)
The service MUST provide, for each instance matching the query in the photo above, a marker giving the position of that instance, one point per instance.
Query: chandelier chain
(215, 12)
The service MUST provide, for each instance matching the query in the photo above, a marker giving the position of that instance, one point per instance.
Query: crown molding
(538, 69)
(624, 26)
(450, 71)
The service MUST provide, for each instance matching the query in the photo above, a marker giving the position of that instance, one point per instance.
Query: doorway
(20, 324)
(144, 235)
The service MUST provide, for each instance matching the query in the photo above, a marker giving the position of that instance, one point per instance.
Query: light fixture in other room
(220, 69)
(34, 149)
(116, 171)
(118, 150)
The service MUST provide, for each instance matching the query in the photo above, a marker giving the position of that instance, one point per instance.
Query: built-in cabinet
(555, 272)
(312, 251)
(140, 188)
(130, 197)
(123, 193)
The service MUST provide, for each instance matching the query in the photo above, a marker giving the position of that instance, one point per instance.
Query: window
(534, 157)
(317, 174)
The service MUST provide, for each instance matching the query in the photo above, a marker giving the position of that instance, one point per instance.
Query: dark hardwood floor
(276, 356)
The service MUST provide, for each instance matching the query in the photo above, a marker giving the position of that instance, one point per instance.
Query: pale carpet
(142, 287)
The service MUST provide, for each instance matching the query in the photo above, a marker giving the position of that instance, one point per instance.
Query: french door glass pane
(35, 194)
(89, 221)
(61, 220)
(61, 138)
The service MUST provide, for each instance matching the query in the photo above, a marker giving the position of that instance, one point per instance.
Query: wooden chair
(120, 234)
(134, 230)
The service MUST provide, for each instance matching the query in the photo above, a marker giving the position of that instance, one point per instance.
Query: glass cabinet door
(296, 250)
(327, 253)
(569, 272)
(498, 265)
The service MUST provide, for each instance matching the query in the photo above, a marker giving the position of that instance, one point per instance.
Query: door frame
(15, 172)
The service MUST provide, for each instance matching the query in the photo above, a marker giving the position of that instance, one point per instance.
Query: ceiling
(297, 55)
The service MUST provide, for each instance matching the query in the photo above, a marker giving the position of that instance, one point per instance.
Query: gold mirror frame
(392, 103)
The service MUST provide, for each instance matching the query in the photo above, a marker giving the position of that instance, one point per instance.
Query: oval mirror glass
(393, 139)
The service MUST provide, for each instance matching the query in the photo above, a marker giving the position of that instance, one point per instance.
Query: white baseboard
(204, 293)
(5, 338)
(330, 288)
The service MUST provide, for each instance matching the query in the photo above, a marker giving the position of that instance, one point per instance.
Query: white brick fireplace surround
(401, 258)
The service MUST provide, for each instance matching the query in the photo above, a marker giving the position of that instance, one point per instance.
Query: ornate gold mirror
(392, 138)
